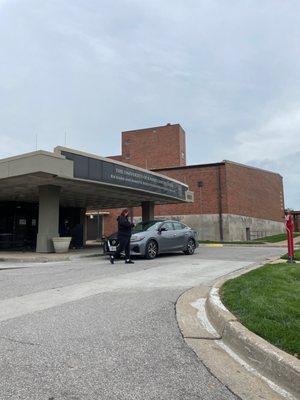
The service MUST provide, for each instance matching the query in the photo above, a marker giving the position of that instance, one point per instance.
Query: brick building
(232, 201)
(296, 219)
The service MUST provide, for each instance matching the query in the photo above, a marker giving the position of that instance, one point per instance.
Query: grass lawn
(267, 301)
(267, 239)
(275, 238)
(297, 255)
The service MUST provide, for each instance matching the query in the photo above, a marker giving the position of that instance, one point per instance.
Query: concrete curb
(45, 259)
(32, 259)
(77, 257)
(270, 361)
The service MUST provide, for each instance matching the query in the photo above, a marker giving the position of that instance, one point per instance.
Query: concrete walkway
(30, 256)
(285, 244)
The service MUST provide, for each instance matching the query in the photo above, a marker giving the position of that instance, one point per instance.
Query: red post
(289, 225)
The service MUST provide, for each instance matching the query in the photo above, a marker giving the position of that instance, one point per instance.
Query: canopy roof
(86, 180)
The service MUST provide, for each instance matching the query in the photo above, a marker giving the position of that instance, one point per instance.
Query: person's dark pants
(124, 245)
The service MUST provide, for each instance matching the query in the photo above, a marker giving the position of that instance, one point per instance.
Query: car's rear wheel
(151, 250)
(190, 247)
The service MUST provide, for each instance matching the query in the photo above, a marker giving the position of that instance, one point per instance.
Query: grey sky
(226, 70)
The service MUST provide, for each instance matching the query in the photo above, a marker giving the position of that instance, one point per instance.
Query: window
(168, 226)
(178, 226)
(146, 226)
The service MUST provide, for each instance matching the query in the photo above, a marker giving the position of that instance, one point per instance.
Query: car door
(166, 236)
(180, 235)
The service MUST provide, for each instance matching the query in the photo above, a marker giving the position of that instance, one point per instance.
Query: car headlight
(137, 238)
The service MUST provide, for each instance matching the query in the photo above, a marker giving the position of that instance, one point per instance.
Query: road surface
(87, 330)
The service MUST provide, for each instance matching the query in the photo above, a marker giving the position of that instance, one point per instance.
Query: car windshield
(146, 226)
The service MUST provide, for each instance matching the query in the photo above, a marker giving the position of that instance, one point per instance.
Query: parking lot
(86, 330)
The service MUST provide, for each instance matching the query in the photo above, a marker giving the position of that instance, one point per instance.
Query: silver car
(155, 237)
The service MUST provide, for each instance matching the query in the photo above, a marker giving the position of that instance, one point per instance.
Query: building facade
(296, 220)
(71, 193)
(46, 194)
(232, 202)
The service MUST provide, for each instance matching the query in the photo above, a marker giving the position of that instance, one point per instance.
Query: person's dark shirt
(124, 226)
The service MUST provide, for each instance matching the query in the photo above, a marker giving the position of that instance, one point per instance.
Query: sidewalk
(28, 256)
(250, 366)
(284, 243)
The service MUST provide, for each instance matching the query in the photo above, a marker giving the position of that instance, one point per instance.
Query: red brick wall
(245, 191)
(110, 221)
(158, 147)
(206, 197)
(254, 192)
(297, 222)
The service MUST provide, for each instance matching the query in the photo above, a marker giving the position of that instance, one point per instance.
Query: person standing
(124, 235)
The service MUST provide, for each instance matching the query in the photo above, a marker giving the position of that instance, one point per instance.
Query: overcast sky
(227, 70)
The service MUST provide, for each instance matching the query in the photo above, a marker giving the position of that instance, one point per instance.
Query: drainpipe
(220, 204)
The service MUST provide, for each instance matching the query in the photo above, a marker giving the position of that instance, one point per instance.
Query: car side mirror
(162, 229)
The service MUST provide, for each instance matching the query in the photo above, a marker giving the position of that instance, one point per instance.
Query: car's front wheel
(190, 247)
(151, 250)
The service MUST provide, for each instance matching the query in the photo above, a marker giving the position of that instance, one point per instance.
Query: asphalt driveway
(86, 330)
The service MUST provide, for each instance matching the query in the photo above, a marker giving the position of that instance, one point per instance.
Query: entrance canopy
(70, 178)
(85, 180)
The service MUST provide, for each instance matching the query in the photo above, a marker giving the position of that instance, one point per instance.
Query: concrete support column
(147, 210)
(48, 217)
(83, 222)
(131, 214)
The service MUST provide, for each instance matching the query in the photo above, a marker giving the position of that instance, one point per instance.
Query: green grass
(267, 301)
(297, 255)
(267, 239)
(275, 238)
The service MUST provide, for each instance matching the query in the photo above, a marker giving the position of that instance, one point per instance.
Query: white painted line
(201, 314)
(215, 298)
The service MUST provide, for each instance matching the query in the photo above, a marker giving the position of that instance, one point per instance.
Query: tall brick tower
(157, 147)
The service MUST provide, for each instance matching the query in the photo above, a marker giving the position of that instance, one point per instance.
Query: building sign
(121, 175)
